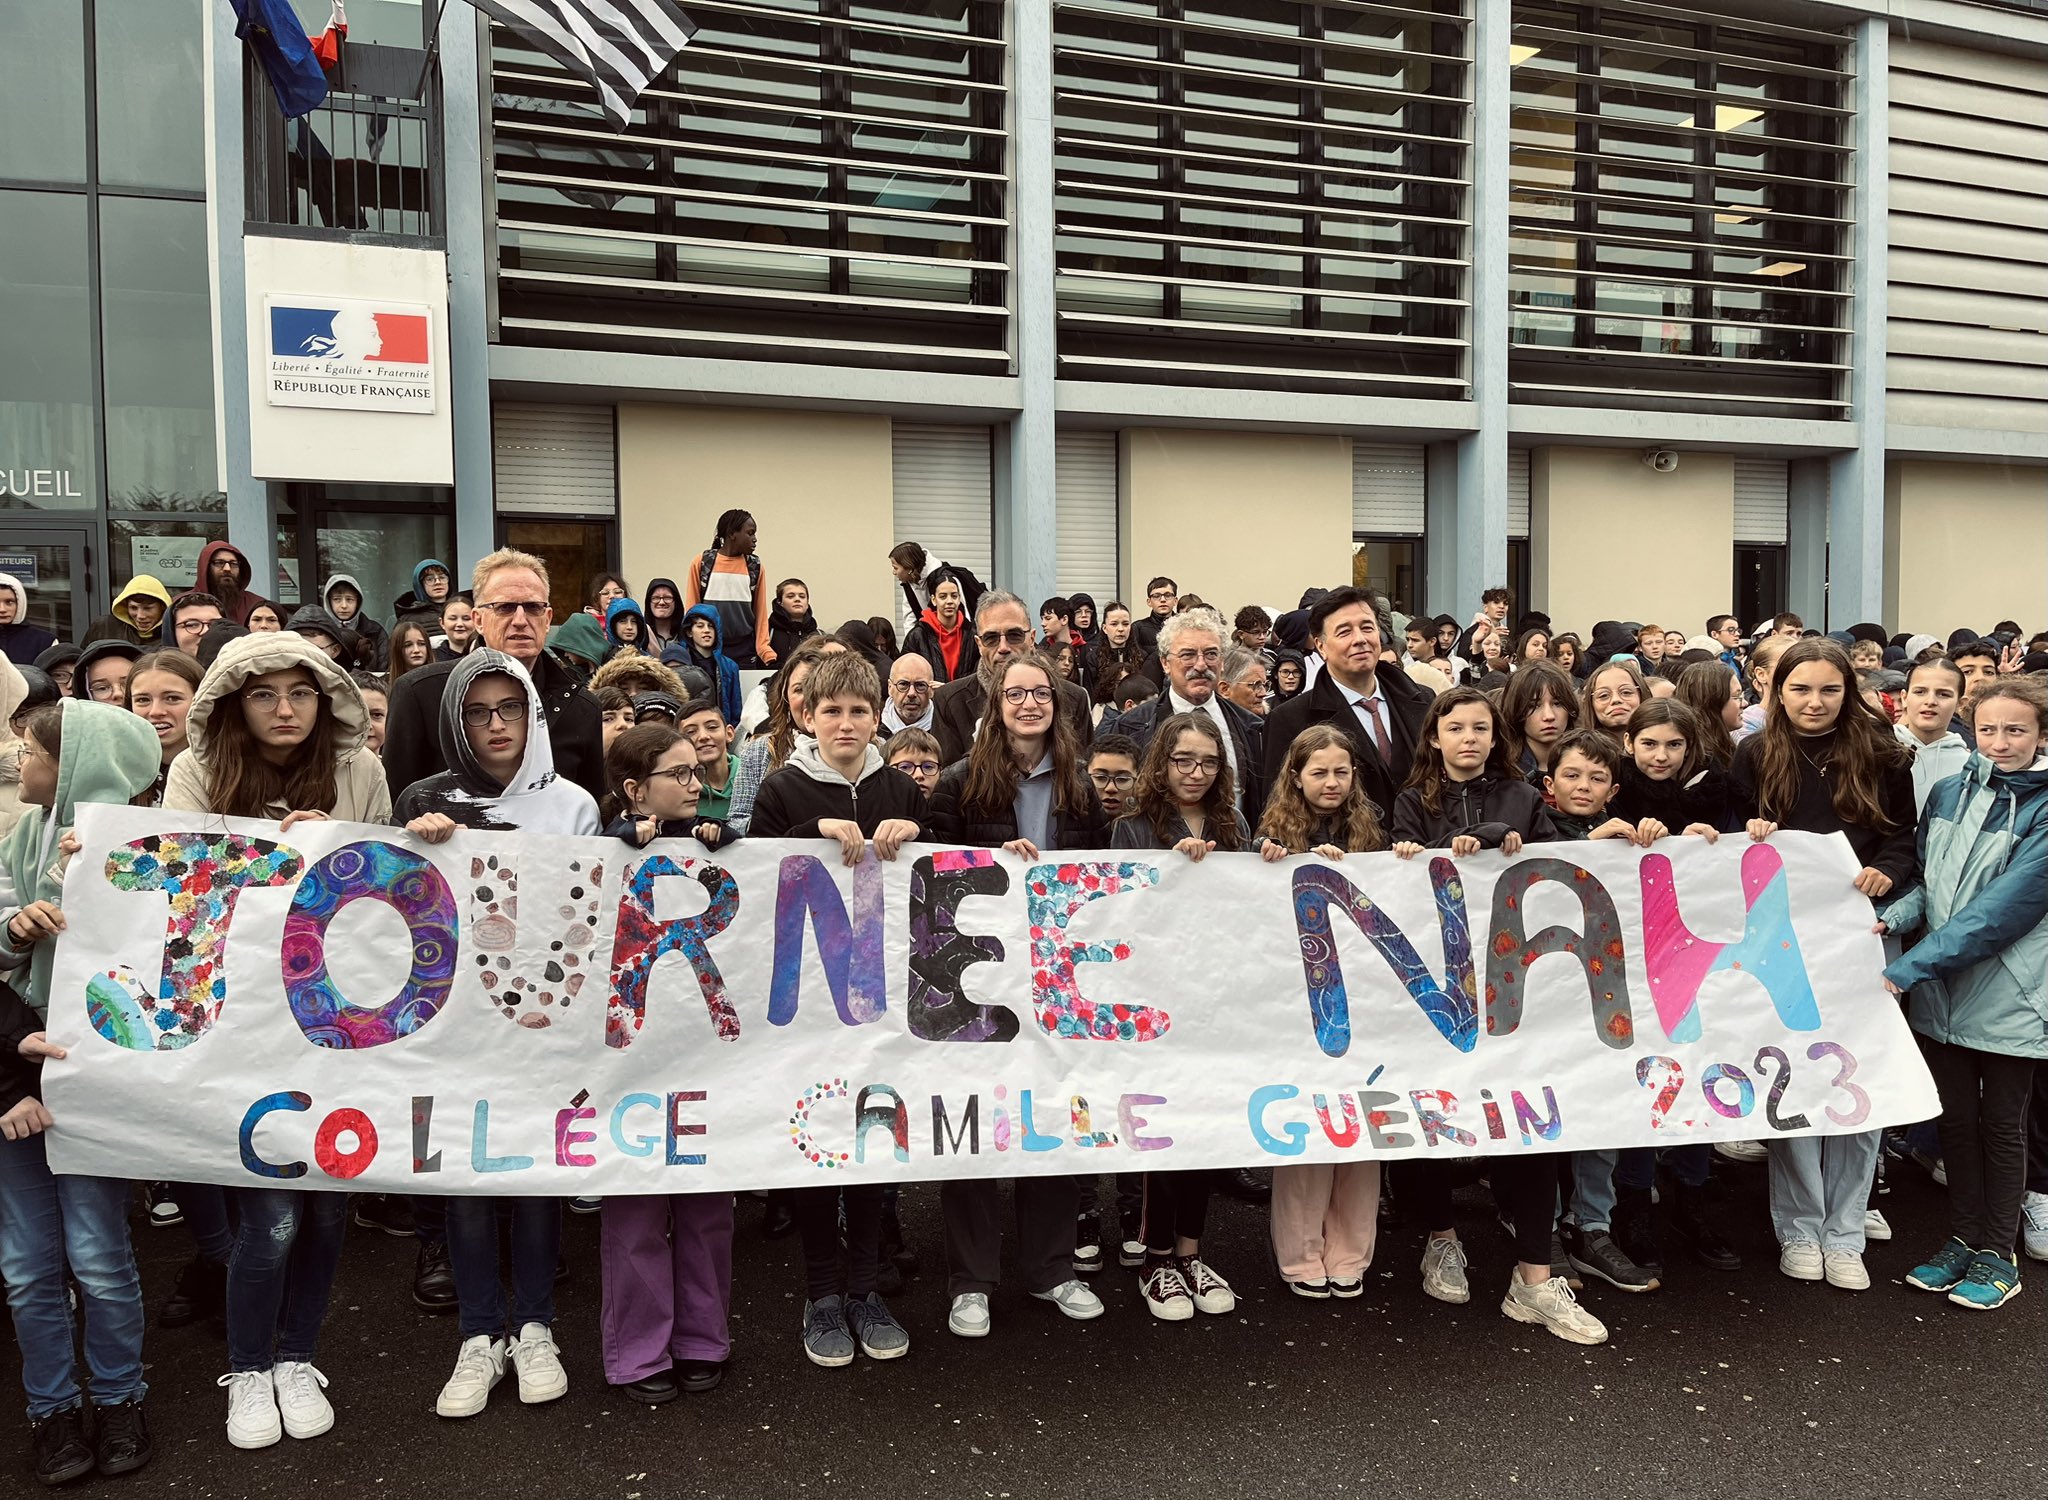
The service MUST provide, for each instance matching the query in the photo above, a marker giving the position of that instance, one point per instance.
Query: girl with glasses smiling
(1185, 801)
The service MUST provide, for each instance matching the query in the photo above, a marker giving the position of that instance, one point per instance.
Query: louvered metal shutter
(555, 460)
(1760, 491)
(942, 496)
(1084, 484)
(1386, 489)
(1518, 493)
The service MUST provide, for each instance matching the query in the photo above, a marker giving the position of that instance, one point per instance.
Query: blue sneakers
(1992, 1282)
(1945, 1269)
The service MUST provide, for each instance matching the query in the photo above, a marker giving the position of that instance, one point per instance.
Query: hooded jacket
(536, 798)
(98, 651)
(656, 639)
(313, 617)
(117, 624)
(412, 726)
(376, 640)
(413, 605)
(245, 603)
(360, 795)
(787, 631)
(1487, 807)
(931, 640)
(13, 693)
(22, 641)
(624, 609)
(107, 755)
(582, 637)
(1979, 977)
(1093, 633)
(806, 791)
(721, 668)
(1932, 764)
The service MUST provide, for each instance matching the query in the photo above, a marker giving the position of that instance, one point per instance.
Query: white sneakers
(1071, 1297)
(969, 1317)
(1801, 1260)
(1844, 1269)
(264, 1405)
(252, 1408)
(479, 1366)
(1875, 1225)
(1551, 1305)
(1443, 1272)
(481, 1362)
(301, 1401)
(2034, 1225)
(1742, 1151)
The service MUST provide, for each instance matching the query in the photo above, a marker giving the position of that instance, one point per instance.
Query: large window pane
(42, 90)
(159, 356)
(151, 92)
(46, 432)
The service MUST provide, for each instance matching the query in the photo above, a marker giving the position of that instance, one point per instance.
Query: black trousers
(817, 1219)
(2037, 1134)
(1176, 1208)
(972, 1208)
(1525, 1187)
(1984, 1105)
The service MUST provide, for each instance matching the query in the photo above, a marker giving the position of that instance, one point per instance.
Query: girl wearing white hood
(502, 776)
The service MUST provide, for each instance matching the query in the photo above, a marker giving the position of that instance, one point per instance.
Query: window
(820, 177)
(152, 121)
(1390, 566)
(42, 91)
(1679, 203)
(1271, 194)
(46, 393)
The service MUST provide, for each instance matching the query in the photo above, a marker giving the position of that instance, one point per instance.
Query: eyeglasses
(265, 700)
(917, 767)
(1191, 657)
(1013, 638)
(1038, 695)
(1115, 781)
(505, 609)
(682, 776)
(507, 711)
(904, 685)
(1162, 594)
(1188, 765)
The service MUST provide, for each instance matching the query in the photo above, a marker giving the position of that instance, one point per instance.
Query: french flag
(401, 339)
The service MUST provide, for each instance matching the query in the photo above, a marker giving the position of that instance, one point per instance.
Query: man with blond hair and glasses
(512, 615)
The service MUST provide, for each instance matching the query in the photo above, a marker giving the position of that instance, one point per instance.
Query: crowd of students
(1336, 729)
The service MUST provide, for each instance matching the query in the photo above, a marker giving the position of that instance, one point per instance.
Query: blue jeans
(1820, 1186)
(473, 1257)
(1598, 1175)
(281, 1272)
(205, 1205)
(46, 1223)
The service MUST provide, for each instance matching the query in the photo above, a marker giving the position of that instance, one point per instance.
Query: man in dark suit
(1002, 629)
(1191, 654)
(512, 612)
(1371, 700)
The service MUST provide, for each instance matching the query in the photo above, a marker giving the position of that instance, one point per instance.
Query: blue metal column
(251, 523)
(1468, 522)
(1855, 540)
(1026, 512)
(470, 260)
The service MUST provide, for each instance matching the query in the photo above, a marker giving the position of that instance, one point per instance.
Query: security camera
(1663, 460)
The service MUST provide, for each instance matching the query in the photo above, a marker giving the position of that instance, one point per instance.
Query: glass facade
(1680, 202)
(1267, 193)
(811, 180)
(106, 393)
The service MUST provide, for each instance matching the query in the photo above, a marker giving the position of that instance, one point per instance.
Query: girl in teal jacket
(1978, 981)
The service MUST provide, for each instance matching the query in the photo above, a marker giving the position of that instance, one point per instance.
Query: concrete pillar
(1026, 520)
(469, 252)
(1856, 543)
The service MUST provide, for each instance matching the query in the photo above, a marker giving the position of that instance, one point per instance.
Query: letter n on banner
(851, 952)
(1452, 1007)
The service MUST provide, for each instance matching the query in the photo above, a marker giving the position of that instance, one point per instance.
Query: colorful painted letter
(849, 952)
(643, 938)
(410, 885)
(1598, 947)
(1056, 893)
(940, 953)
(1451, 1007)
(1768, 951)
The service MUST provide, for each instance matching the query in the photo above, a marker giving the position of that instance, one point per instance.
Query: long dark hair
(1865, 747)
(993, 774)
(1678, 716)
(1427, 774)
(1527, 686)
(405, 632)
(1289, 820)
(632, 756)
(1155, 803)
(1703, 688)
(243, 783)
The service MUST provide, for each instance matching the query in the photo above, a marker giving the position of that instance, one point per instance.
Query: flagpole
(433, 51)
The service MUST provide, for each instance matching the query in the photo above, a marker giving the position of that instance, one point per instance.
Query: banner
(345, 1007)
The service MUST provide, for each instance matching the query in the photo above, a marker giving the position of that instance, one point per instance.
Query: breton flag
(619, 45)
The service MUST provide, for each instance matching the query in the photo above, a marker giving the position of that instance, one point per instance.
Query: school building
(1645, 309)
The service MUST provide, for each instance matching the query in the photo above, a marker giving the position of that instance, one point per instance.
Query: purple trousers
(667, 1281)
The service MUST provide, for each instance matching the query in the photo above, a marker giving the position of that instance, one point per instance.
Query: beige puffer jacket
(361, 795)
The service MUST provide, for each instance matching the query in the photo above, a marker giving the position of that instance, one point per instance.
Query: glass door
(575, 552)
(53, 565)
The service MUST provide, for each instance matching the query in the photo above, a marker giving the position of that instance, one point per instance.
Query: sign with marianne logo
(350, 354)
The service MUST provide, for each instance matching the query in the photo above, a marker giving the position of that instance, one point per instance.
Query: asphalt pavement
(1744, 1384)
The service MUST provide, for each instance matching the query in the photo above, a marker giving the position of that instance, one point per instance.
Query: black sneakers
(121, 1442)
(1594, 1252)
(61, 1454)
(202, 1292)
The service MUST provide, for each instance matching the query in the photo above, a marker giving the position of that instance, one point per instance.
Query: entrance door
(54, 567)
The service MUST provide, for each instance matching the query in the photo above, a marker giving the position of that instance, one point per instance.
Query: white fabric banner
(344, 1007)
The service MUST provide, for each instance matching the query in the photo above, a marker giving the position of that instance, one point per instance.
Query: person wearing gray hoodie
(1933, 690)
